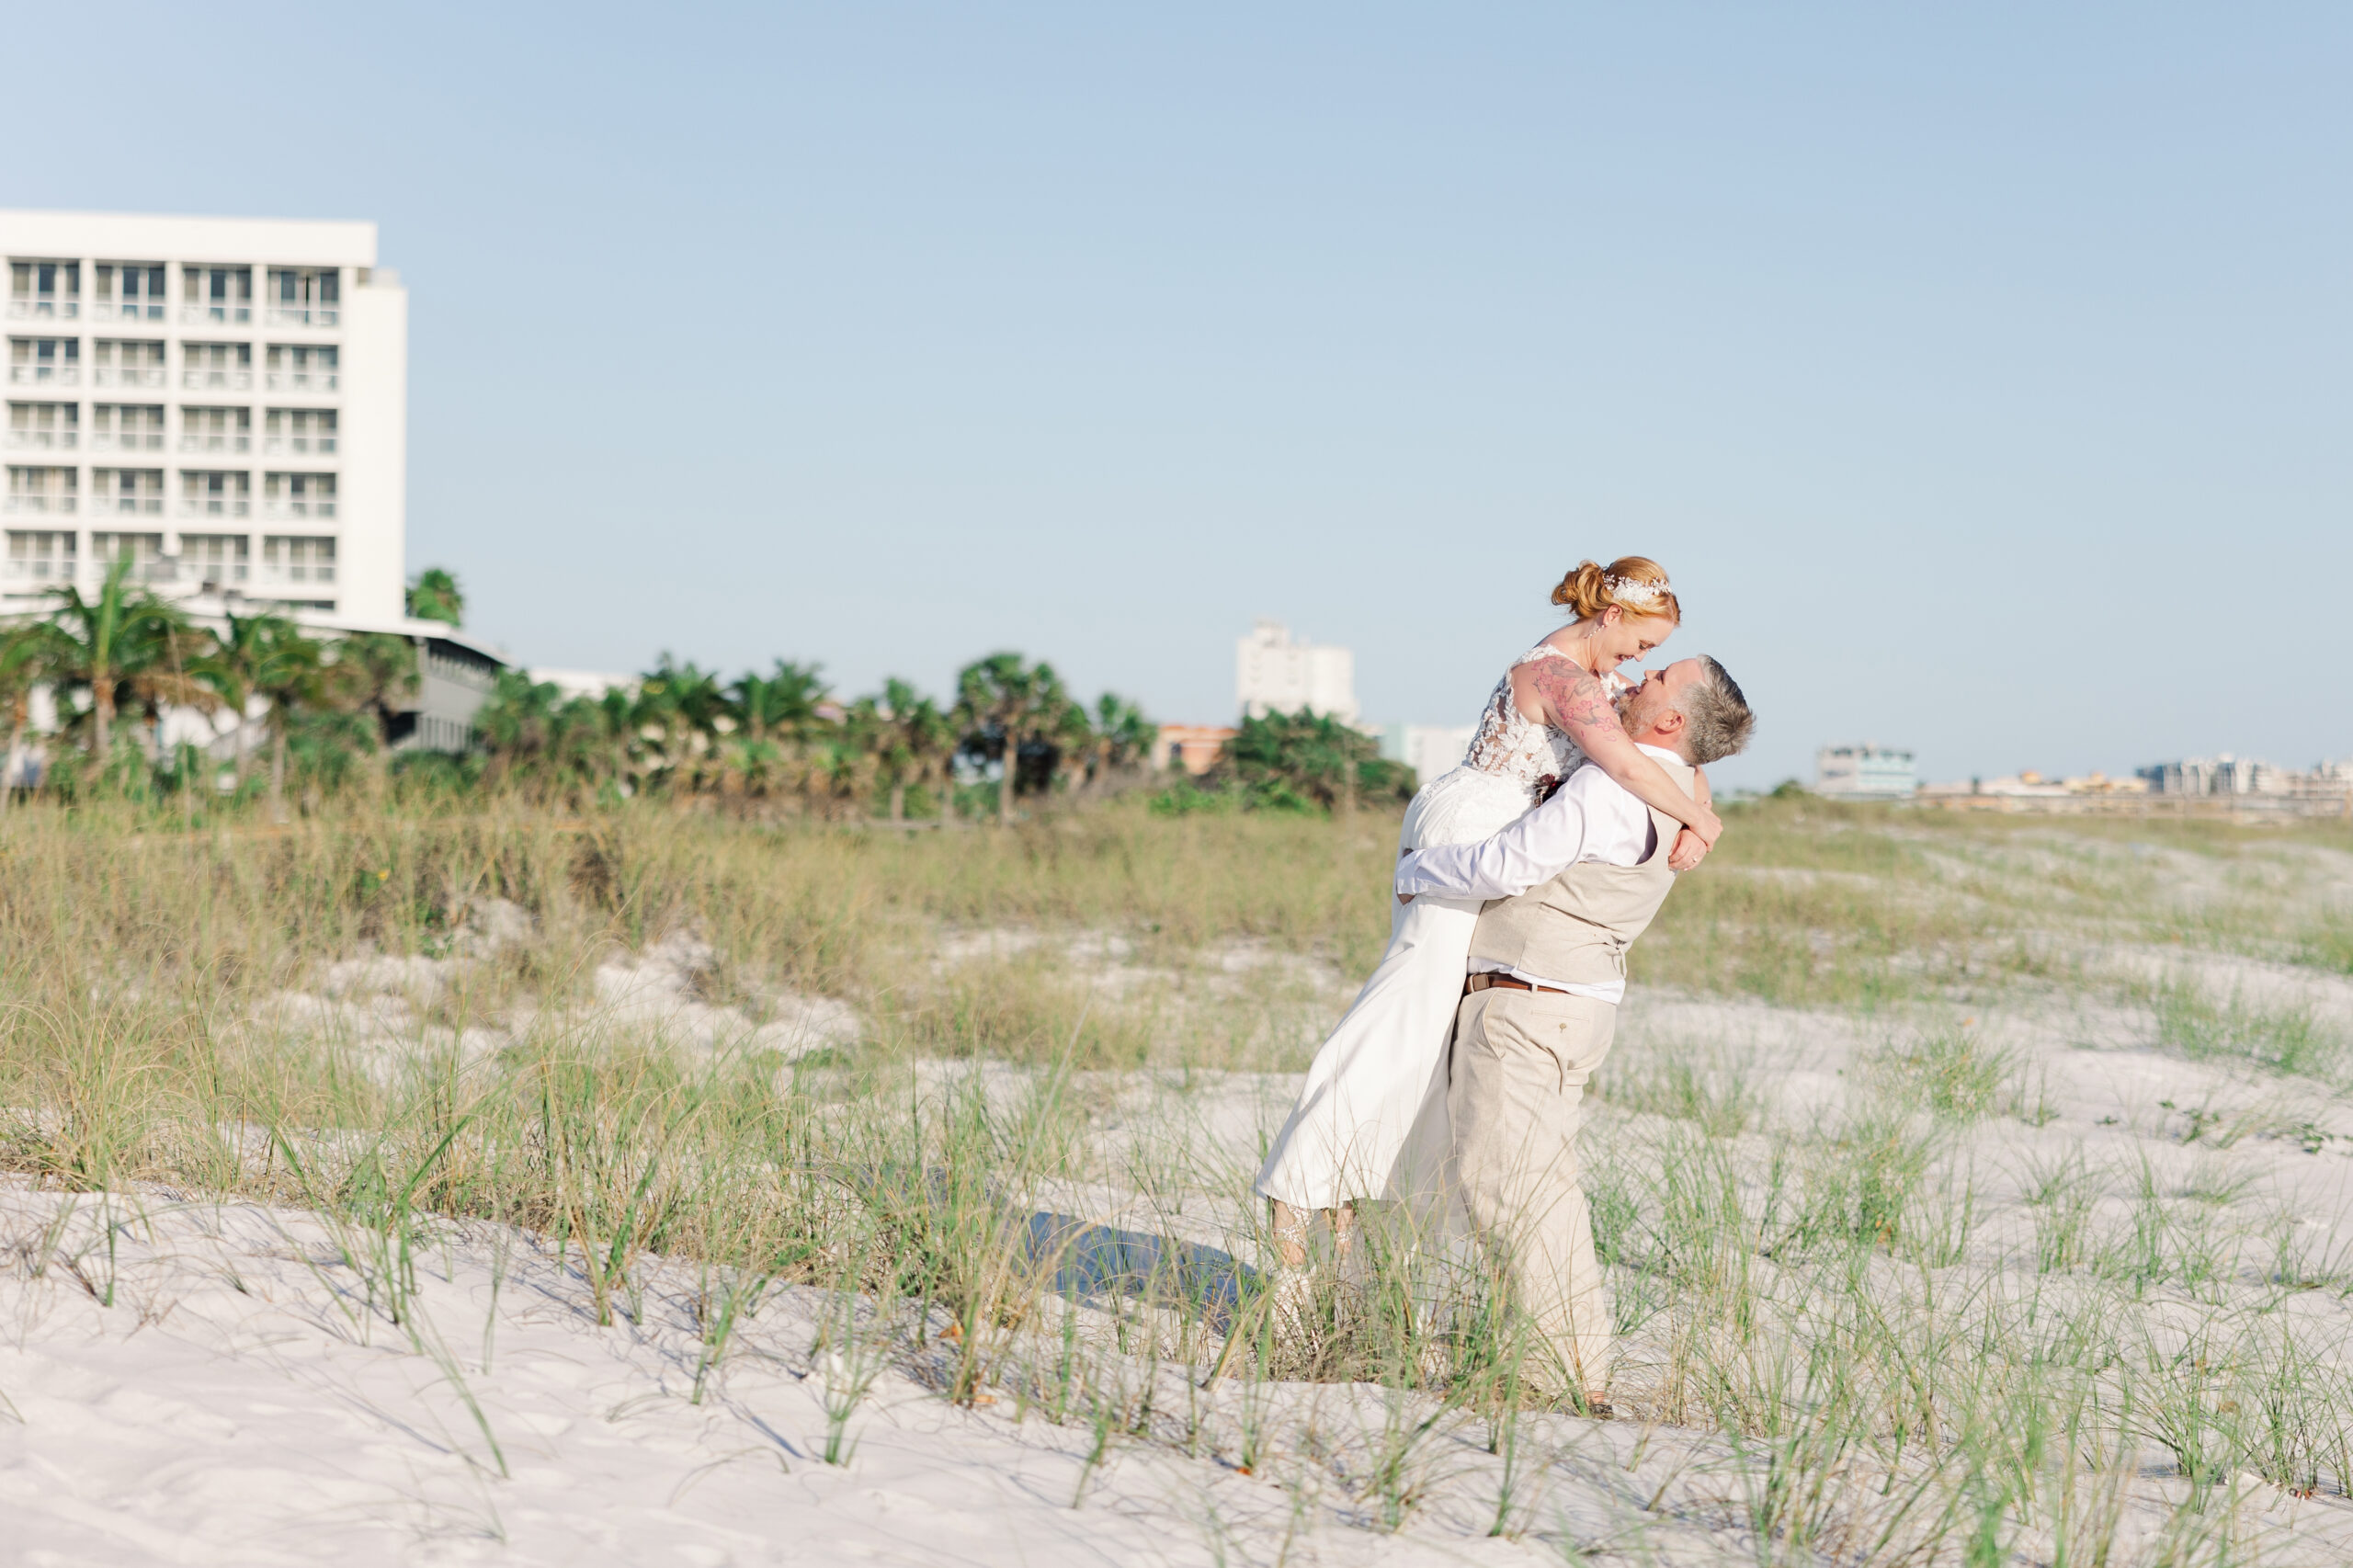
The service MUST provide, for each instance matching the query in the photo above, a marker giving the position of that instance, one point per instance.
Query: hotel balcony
(299, 432)
(126, 362)
(304, 297)
(128, 293)
(44, 291)
(127, 430)
(216, 295)
(300, 368)
(287, 560)
(144, 552)
(216, 430)
(36, 560)
(297, 495)
(42, 490)
(127, 492)
(217, 367)
(44, 426)
(207, 494)
(44, 361)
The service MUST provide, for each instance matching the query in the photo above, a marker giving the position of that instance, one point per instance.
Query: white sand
(239, 1404)
(239, 1401)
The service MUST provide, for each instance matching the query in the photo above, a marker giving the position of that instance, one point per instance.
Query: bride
(1383, 1069)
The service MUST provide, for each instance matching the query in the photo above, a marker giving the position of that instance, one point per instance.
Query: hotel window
(55, 425)
(126, 362)
(301, 431)
(42, 489)
(285, 560)
(51, 289)
(304, 295)
(210, 365)
(41, 557)
(217, 294)
(138, 491)
(205, 494)
(57, 360)
(216, 430)
(144, 552)
(129, 292)
(299, 495)
(214, 557)
(295, 367)
(126, 428)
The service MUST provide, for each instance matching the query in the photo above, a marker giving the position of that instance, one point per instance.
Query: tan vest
(1576, 927)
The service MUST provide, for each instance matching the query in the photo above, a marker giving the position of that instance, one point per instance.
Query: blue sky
(1981, 373)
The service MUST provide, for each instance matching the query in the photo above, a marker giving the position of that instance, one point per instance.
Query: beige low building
(1193, 747)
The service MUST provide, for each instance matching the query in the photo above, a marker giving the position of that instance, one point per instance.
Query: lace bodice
(1530, 754)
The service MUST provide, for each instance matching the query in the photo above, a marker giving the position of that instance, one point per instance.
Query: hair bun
(1582, 591)
(1636, 582)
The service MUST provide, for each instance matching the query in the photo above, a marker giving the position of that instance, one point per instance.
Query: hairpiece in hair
(1631, 593)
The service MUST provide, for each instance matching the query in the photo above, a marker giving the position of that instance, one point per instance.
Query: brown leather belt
(1493, 978)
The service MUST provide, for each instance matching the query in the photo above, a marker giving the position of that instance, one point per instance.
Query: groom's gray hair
(1717, 720)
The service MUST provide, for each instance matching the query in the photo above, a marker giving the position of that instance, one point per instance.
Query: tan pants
(1515, 1080)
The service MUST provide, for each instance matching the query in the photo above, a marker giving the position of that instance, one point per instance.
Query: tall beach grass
(1894, 1345)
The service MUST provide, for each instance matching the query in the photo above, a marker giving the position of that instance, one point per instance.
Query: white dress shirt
(1590, 818)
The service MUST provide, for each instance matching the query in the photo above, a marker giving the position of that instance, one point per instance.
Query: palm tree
(119, 638)
(689, 711)
(608, 727)
(373, 671)
(1122, 736)
(229, 667)
(840, 763)
(174, 681)
(910, 739)
(435, 596)
(1007, 707)
(291, 674)
(1310, 760)
(778, 704)
(520, 723)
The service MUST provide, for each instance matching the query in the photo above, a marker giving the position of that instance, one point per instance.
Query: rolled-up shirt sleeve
(1540, 845)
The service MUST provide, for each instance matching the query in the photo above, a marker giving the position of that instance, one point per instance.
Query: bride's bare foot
(1289, 1228)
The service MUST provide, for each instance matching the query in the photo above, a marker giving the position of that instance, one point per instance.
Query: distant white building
(1274, 673)
(1867, 772)
(2229, 775)
(2220, 776)
(221, 401)
(1428, 749)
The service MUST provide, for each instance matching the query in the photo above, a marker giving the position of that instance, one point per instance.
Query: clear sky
(1982, 374)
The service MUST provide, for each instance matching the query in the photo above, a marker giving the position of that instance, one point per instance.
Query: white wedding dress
(1371, 1121)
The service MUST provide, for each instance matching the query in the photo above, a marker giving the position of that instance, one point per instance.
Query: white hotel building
(221, 401)
(1277, 673)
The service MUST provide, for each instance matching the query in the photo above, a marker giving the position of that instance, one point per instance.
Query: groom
(1571, 884)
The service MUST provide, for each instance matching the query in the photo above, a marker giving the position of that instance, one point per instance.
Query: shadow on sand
(1098, 1260)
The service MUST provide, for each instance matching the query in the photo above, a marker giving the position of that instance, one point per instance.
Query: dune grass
(1895, 1352)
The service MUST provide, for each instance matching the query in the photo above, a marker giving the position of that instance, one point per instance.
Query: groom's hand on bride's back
(1688, 851)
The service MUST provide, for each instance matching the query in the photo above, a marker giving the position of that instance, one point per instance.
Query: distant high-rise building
(221, 401)
(1274, 673)
(2223, 775)
(1869, 771)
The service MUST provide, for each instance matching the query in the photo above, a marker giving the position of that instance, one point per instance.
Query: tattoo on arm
(1575, 703)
